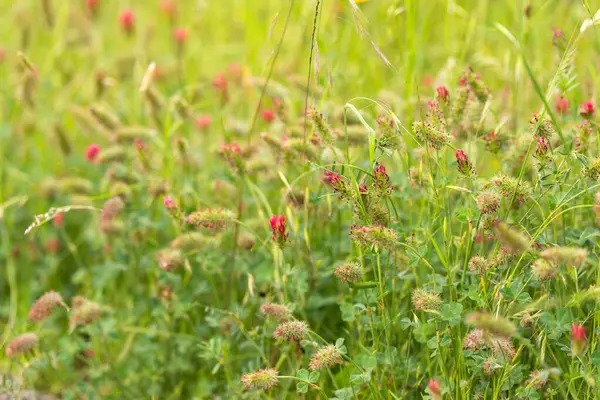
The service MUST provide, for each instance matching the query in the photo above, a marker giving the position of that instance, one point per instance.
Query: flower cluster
(465, 167)
(375, 235)
(351, 273)
(263, 379)
(21, 344)
(381, 181)
(279, 231)
(277, 312)
(488, 202)
(424, 300)
(84, 312)
(211, 219)
(45, 305)
(509, 187)
(326, 357)
(291, 331)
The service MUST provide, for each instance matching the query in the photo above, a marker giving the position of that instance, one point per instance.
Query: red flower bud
(562, 106)
(127, 21)
(587, 109)
(92, 152)
(180, 35)
(277, 223)
(268, 116)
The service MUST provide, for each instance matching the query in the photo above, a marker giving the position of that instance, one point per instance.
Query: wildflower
(562, 106)
(268, 116)
(203, 121)
(58, 220)
(475, 340)
(232, 153)
(277, 312)
(430, 134)
(488, 202)
(277, 223)
(424, 300)
(44, 306)
(263, 379)
(127, 21)
(169, 259)
(578, 339)
(325, 357)
(488, 366)
(568, 255)
(543, 269)
(84, 312)
(502, 347)
(292, 331)
(220, 82)
(21, 344)
(479, 265)
(538, 379)
(593, 170)
(504, 256)
(542, 147)
(476, 84)
(168, 7)
(375, 235)
(541, 128)
(212, 219)
(513, 239)
(388, 137)
(338, 183)
(465, 166)
(587, 109)
(509, 187)
(180, 35)
(435, 389)
(443, 95)
(559, 40)
(321, 124)
(112, 208)
(92, 152)
(381, 181)
(496, 326)
(351, 273)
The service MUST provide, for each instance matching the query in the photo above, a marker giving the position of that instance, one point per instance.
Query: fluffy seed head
(84, 313)
(169, 259)
(425, 300)
(263, 379)
(291, 331)
(502, 347)
(572, 256)
(375, 235)
(21, 344)
(351, 273)
(578, 339)
(479, 265)
(475, 340)
(325, 357)
(509, 186)
(488, 202)
(496, 326)
(513, 239)
(277, 312)
(44, 306)
(543, 269)
(212, 219)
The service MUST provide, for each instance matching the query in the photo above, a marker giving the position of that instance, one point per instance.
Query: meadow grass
(299, 199)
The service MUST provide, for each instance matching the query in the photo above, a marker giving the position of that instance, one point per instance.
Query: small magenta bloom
(587, 109)
(578, 339)
(180, 35)
(542, 146)
(168, 202)
(381, 181)
(92, 152)
(435, 389)
(220, 82)
(464, 165)
(203, 121)
(562, 106)
(127, 21)
(58, 220)
(443, 94)
(268, 116)
(278, 227)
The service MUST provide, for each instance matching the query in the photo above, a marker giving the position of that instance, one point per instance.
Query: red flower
(268, 116)
(542, 146)
(578, 339)
(168, 7)
(443, 93)
(180, 35)
(168, 202)
(127, 21)
(464, 165)
(92, 5)
(279, 235)
(587, 109)
(58, 220)
(435, 388)
(92, 152)
(220, 82)
(203, 121)
(562, 106)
